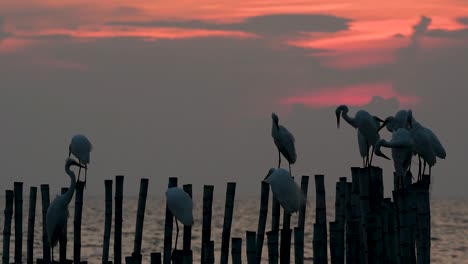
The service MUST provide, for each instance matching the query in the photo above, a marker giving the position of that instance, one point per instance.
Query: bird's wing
(286, 144)
(401, 139)
(81, 147)
(362, 142)
(436, 145)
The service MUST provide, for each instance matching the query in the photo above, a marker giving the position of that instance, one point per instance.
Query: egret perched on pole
(57, 213)
(80, 147)
(284, 142)
(367, 130)
(180, 204)
(402, 146)
(285, 190)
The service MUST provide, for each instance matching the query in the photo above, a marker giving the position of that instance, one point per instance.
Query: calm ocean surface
(449, 227)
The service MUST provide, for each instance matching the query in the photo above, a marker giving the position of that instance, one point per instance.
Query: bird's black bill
(383, 125)
(384, 156)
(338, 120)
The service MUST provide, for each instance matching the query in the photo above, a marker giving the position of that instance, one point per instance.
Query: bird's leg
(367, 157)
(419, 171)
(279, 159)
(372, 155)
(290, 172)
(363, 162)
(177, 237)
(430, 168)
(79, 170)
(85, 172)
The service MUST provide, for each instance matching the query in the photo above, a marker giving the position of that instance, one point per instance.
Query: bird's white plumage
(402, 146)
(80, 147)
(180, 204)
(284, 140)
(285, 190)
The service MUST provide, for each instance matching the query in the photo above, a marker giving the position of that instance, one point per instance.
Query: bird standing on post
(80, 147)
(284, 142)
(181, 206)
(367, 130)
(57, 213)
(285, 190)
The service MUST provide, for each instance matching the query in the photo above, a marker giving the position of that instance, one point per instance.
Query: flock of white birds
(409, 138)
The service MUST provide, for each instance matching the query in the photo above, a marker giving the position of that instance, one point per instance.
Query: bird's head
(389, 123)
(275, 118)
(377, 150)
(269, 173)
(340, 109)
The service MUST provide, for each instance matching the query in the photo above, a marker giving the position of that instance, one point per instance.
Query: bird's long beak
(338, 119)
(384, 156)
(383, 124)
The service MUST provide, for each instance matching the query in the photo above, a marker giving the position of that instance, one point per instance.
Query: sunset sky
(186, 88)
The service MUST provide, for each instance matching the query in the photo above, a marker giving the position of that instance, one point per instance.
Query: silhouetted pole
(118, 219)
(285, 246)
(18, 189)
(320, 226)
(63, 240)
(45, 205)
(9, 195)
(77, 222)
(273, 254)
(299, 254)
(208, 256)
(424, 221)
(187, 240)
(228, 213)
(107, 221)
(298, 245)
(136, 255)
(156, 258)
(168, 226)
(265, 192)
(236, 250)
(251, 250)
(31, 221)
(364, 188)
(207, 208)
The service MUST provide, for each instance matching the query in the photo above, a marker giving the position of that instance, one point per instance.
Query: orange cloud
(354, 95)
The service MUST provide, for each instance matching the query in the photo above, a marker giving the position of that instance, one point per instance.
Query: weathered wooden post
(364, 188)
(168, 226)
(273, 253)
(376, 188)
(107, 221)
(77, 222)
(63, 240)
(251, 250)
(298, 245)
(299, 252)
(209, 252)
(187, 239)
(9, 195)
(285, 246)
(18, 189)
(320, 226)
(207, 208)
(118, 219)
(136, 255)
(374, 238)
(228, 213)
(424, 221)
(338, 225)
(31, 221)
(45, 205)
(236, 250)
(353, 223)
(156, 258)
(402, 198)
(265, 192)
(334, 254)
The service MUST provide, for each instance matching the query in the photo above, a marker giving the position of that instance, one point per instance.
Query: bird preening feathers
(80, 147)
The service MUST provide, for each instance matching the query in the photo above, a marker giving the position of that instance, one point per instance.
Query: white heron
(367, 130)
(57, 213)
(402, 146)
(285, 190)
(284, 141)
(180, 204)
(80, 147)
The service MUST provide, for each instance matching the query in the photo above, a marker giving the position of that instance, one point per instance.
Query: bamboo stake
(63, 240)
(18, 189)
(31, 221)
(156, 258)
(320, 226)
(228, 213)
(77, 222)
(251, 251)
(168, 226)
(9, 196)
(45, 205)
(107, 221)
(118, 219)
(298, 245)
(187, 240)
(140, 219)
(265, 191)
(236, 250)
(273, 254)
(207, 209)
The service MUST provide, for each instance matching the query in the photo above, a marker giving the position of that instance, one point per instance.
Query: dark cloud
(442, 33)
(463, 20)
(3, 33)
(269, 24)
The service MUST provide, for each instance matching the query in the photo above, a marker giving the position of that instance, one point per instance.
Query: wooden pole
(424, 221)
(228, 213)
(320, 226)
(298, 245)
(251, 250)
(45, 205)
(168, 226)
(275, 214)
(118, 219)
(334, 254)
(285, 246)
(209, 252)
(299, 254)
(265, 191)
(140, 220)
(207, 208)
(63, 240)
(375, 188)
(364, 188)
(18, 189)
(107, 221)
(236, 250)
(187, 240)
(156, 258)
(9, 196)
(374, 238)
(77, 222)
(31, 221)
(402, 199)
(273, 254)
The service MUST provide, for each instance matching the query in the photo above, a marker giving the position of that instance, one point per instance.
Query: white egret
(284, 142)
(80, 147)
(181, 206)
(57, 213)
(367, 130)
(285, 190)
(402, 146)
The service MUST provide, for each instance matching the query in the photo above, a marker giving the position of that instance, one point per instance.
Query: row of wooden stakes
(367, 227)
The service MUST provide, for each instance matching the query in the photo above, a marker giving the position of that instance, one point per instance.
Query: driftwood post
(236, 250)
(63, 240)
(251, 250)
(320, 226)
(9, 195)
(187, 239)
(107, 221)
(77, 222)
(168, 226)
(45, 205)
(228, 213)
(18, 189)
(31, 221)
(118, 219)
(136, 255)
(265, 191)
(207, 208)
(273, 254)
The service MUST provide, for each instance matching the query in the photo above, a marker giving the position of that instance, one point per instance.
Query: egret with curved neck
(57, 213)
(80, 147)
